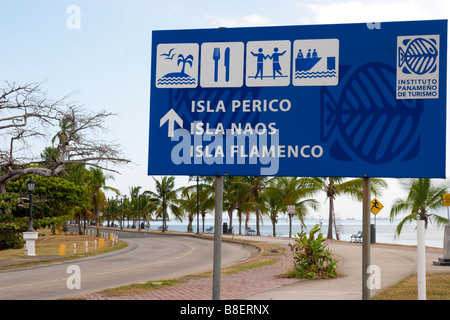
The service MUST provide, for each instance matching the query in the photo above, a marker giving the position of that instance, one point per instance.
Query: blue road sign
(349, 100)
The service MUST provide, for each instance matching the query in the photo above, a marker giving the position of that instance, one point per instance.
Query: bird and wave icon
(177, 78)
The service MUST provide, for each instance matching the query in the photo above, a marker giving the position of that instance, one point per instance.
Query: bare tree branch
(26, 113)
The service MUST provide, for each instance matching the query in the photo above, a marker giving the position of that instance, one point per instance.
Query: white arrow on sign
(172, 117)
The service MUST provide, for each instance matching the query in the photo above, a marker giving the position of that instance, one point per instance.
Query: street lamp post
(30, 186)
(124, 199)
(121, 212)
(198, 210)
(30, 235)
(139, 223)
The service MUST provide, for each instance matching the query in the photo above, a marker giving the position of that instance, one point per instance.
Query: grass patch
(438, 288)
(140, 288)
(47, 245)
(244, 266)
(266, 258)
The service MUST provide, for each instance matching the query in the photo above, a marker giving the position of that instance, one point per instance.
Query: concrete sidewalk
(265, 283)
(395, 263)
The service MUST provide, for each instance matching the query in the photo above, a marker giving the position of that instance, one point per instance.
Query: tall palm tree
(204, 190)
(273, 204)
(77, 173)
(256, 185)
(235, 191)
(146, 207)
(166, 198)
(207, 201)
(296, 192)
(188, 203)
(134, 205)
(334, 186)
(423, 196)
(96, 181)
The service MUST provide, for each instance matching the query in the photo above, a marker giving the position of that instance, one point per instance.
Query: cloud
(244, 21)
(373, 11)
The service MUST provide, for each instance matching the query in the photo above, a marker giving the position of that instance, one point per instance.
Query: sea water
(384, 229)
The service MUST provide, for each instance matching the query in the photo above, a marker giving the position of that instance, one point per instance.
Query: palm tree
(183, 60)
(146, 207)
(423, 196)
(114, 206)
(50, 155)
(165, 198)
(334, 186)
(96, 181)
(255, 186)
(206, 195)
(273, 203)
(133, 206)
(77, 173)
(235, 191)
(207, 201)
(188, 203)
(291, 191)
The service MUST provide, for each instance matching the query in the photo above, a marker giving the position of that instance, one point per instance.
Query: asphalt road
(148, 257)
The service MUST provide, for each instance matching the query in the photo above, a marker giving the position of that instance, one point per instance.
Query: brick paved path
(233, 286)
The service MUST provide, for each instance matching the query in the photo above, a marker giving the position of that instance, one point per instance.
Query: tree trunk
(97, 218)
(330, 219)
(290, 224)
(273, 225)
(246, 221)
(257, 222)
(230, 216)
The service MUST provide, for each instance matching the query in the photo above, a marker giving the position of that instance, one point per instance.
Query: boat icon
(303, 65)
(306, 64)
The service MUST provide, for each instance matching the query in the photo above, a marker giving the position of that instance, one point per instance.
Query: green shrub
(312, 260)
(10, 237)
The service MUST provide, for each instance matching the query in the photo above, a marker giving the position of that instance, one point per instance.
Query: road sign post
(366, 239)
(375, 207)
(327, 100)
(348, 100)
(217, 259)
(445, 261)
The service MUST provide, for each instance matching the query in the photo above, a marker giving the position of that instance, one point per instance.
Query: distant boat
(350, 218)
(305, 64)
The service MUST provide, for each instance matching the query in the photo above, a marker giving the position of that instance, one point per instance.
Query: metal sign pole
(217, 237)
(366, 238)
(421, 261)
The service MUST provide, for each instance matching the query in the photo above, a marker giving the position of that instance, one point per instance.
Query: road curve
(148, 257)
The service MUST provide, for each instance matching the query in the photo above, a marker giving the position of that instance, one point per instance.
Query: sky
(101, 50)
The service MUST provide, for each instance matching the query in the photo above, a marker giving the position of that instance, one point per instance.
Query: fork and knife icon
(216, 57)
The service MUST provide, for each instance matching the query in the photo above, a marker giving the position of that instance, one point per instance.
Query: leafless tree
(27, 115)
